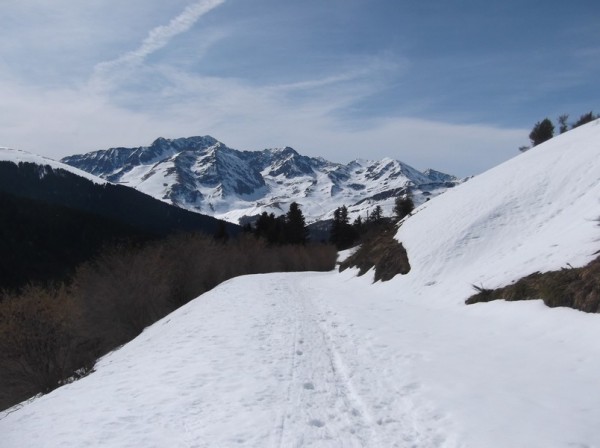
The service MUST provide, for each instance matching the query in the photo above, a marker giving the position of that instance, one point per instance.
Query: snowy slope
(19, 156)
(535, 212)
(331, 360)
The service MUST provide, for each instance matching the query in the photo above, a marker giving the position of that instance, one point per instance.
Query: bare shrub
(193, 265)
(123, 291)
(484, 294)
(323, 257)
(41, 342)
(381, 251)
(577, 288)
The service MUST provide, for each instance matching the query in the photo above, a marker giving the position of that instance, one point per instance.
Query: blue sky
(455, 85)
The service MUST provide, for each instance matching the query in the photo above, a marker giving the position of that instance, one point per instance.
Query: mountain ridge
(204, 175)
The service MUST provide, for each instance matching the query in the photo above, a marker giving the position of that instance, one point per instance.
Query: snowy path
(260, 361)
(335, 398)
(374, 392)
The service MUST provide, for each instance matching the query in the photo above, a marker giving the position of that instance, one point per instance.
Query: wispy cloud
(156, 39)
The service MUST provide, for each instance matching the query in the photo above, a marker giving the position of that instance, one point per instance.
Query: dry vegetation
(577, 288)
(379, 249)
(49, 335)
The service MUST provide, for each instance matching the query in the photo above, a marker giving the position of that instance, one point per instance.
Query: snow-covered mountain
(204, 175)
(331, 360)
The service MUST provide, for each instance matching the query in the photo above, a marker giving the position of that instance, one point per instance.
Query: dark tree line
(290, 228)
(345, 235)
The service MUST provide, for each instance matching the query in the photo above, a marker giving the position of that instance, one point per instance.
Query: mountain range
(204, 175)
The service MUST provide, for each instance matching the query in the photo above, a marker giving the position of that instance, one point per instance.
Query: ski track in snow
(378, 411)
(320, 393)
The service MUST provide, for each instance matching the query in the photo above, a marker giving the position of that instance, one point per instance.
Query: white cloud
(156, 39)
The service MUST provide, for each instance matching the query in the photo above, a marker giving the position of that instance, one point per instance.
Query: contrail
(158, 38)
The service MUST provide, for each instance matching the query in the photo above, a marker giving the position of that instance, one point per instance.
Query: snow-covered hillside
(332, 360)
(204, 175)
(19, 156)
(535, 212)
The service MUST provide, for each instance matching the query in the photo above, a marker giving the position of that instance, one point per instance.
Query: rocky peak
(202, 174)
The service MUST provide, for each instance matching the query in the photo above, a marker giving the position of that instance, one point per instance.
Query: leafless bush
(381, 251)
(41, 342)
(577, 288)
(123, 291)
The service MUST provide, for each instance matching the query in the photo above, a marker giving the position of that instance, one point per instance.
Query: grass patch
(577, 288)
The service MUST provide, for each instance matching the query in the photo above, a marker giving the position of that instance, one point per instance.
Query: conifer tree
(563, 126)
(343, 235)
(376, 214)
(296, 231)
(270, 228)
(358, 223)
(403, 207)
(541, 132)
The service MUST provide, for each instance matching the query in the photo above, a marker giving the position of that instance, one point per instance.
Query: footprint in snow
(316, 422)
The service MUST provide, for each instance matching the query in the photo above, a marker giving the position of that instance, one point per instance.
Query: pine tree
(343, 235)
(563, 126)
(541, 132)
(262, 225)
(403, 207)
(336, 227)
(296, 231)
(270, 228)
(376, 214)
